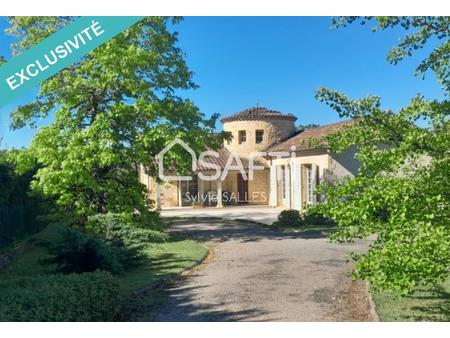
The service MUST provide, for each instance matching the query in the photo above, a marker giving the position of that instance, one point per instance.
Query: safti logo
(233, 163)
(160, 159)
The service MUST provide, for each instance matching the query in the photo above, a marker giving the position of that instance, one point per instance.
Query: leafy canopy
(402, 191)
(113, 110)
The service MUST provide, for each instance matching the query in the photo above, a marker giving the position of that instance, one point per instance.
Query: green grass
(166, 260)
(426, 304)
(163, 261)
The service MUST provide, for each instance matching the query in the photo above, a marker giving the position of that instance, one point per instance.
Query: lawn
(426, 304)
(138, 286)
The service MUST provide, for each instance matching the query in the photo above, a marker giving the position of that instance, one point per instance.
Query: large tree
(113, 110)
(402, 191)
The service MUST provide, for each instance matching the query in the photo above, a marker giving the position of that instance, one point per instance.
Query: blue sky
(277, 62)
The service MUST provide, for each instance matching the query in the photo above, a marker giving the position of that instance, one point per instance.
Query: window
(242, 136)
(283, 181)
(259, 136)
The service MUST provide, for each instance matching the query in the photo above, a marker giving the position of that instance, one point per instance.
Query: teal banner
(58, 51)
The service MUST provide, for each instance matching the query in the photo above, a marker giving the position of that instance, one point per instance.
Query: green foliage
(114, 242)
(147, 220)
(20, 208)
(427, 304)
(113, 110)
(289, 218)
(401, 193)
(132, 232)
(75, 297)
(302, 127)
(76, 252)
(14, 187)
(315, 217)
(292, 218)
(162, 262)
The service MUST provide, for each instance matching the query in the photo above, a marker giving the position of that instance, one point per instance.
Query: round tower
(257, 128)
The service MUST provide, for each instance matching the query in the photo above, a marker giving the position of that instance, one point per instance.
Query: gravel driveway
(257, 274)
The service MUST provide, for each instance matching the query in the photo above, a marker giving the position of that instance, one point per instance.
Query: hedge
(75, 297)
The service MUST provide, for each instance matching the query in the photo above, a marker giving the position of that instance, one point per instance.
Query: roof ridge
(258, 112)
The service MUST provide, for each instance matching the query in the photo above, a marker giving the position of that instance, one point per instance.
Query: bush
(313, 217)
(141, 219)
(135, 234)
(293, 218)
(289, 218)
(76, 252)
(146, 220)
(75, 297)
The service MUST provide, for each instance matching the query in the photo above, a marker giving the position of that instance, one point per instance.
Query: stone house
(292, 165)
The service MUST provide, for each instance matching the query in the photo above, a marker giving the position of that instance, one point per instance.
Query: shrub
(145, 220)
(314, 217)
(78, 252)
(289, 218)
(76, 297)
(120, 227)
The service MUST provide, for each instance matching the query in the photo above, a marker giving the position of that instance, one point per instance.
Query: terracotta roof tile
(302, 139)
(256, 113)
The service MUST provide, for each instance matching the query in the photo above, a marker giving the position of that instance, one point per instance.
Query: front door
(242, 186)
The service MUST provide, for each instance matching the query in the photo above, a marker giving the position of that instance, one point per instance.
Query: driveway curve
(257, 274)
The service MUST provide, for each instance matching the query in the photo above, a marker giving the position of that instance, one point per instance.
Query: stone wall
(168, 190)
(275, 130)
(258, 188)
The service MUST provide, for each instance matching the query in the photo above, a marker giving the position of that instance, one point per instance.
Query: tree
(302, 127)
(113, 110)
(402, 191)
(20, 208)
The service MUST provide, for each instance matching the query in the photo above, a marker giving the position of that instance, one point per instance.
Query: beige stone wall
(169, 190)
(169, 194)
(274, 131)
(149, 184)
(258, 188)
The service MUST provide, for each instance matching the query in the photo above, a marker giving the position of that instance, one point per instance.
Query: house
(292, 165)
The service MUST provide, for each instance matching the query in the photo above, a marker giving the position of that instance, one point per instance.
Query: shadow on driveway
(219, 230)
